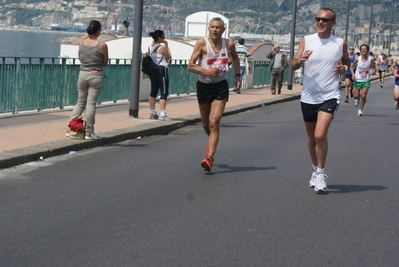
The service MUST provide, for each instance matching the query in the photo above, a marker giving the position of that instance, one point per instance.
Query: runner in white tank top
(320, 81)
(324, 57)
(214, 60)
(210, 61)
(382, 67)
(365, 66)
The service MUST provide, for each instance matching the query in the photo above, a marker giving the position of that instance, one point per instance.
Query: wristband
(237, 75)
(299, 61)
(346, 68)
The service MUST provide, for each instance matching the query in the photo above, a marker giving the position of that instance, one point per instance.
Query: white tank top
(211, 60)
(362, 73)
(320, 81)
(383, 63)
(158, 58)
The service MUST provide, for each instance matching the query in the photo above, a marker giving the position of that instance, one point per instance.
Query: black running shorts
(348, 76)
(309, 111)
(208, 92)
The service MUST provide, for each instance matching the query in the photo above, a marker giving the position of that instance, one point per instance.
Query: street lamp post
(136, 59)
(292, 44)
(371, 22)
(390, 30)
(347, 21)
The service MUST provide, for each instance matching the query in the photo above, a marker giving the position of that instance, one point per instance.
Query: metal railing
(45, 83)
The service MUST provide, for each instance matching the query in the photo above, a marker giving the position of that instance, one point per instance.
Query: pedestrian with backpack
(160, 54)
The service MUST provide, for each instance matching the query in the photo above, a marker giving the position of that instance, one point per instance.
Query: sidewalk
(27, 137)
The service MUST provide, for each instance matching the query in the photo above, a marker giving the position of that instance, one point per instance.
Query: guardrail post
(42, 81)
(18, 82)
(64, 70)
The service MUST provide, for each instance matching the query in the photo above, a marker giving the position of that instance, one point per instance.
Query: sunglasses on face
(317, 19)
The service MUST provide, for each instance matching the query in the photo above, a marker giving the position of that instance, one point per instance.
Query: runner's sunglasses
(317, 19)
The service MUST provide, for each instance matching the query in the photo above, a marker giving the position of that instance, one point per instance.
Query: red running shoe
(207, 163)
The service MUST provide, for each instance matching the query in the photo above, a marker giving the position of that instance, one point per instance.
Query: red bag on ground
(76, 125)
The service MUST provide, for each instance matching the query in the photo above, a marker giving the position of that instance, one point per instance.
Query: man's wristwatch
(237, 75)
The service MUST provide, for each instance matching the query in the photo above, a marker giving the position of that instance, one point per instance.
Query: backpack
(148, 66)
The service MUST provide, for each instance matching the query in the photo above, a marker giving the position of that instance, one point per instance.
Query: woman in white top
(161, 55)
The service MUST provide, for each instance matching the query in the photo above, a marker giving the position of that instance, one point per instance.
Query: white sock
(163, 113)
(153, 111)
(314, 167)
(320, 170)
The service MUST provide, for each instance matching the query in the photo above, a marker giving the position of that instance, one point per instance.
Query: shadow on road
(354, 188)
(228, 168)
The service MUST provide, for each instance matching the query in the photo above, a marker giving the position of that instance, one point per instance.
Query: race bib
(221, 63)
(363, 74)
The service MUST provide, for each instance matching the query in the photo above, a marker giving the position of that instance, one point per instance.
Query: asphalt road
(147, 202)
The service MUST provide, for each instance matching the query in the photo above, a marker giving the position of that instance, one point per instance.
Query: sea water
(30, 44)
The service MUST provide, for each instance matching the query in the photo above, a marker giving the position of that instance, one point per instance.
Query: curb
(20, 156)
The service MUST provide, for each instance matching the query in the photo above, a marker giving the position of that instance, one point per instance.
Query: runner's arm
(296, 62)
(345, 58)
(235, 62)
(104, 53)
(352, 67)
(373, 67)
(233, 54)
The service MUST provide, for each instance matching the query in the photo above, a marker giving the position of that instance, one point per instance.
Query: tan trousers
(89, 88)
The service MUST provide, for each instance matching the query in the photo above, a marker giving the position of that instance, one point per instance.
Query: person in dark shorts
(395, 72)
(161, 55)
(210, 59)
(325, 58)
(382, 63)
(348, 75)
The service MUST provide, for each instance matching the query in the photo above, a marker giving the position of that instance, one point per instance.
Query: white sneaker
(356, 102)
(313, 179)
(92, 136)
(165, 117)
(154, 116)
(381, 85)
(359, 113)
(321, 184)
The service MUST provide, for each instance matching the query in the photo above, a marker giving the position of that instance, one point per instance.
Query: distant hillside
(274, 16)
(258, 16)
